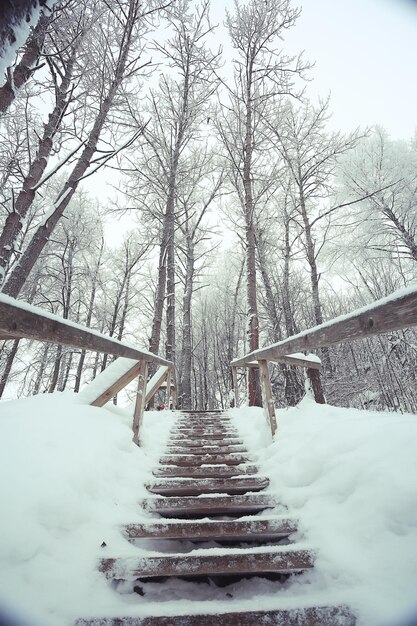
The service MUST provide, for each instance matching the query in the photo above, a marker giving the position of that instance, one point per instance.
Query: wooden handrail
(397, 311)
(19, 319)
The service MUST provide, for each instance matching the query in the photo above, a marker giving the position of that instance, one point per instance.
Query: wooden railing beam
(393, 313)
(155, 383)
(117, 386)
(19, 319)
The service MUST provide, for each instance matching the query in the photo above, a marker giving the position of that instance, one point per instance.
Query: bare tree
(262, 73)
(128, 20)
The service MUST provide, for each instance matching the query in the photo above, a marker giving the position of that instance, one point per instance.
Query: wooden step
(206, 433)
(308, 616)
(197, 486)
(229, 439)
(205, 471)
(247, 530)
(205, 449)
(284, 560)
(208, 436)
(206, 506)
(199, 419)
(197, 442)
(205, 422)
(187, 460)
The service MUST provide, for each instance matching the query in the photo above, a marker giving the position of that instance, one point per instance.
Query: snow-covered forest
(235, 213)
(190, 206)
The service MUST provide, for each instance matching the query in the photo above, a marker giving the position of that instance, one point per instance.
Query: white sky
(365, 57)
(365, 54)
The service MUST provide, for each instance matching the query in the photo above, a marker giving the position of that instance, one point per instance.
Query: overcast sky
(365, 54)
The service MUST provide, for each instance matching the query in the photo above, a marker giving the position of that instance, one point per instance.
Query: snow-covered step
(195, 441)
(235, 439)
(205, 449)
(204, 420)
(205, 471)
(196, 460)
(196, 486)
(210, 505)
(308, 616)
(215, 561)
(208, 433)
(256, 528)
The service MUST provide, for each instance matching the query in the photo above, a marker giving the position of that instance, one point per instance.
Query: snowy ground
(70, 475)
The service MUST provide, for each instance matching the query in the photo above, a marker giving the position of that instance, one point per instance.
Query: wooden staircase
(207, 489)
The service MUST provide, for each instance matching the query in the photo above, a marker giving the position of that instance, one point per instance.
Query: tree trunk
(8, 366)
(185, 391)
(254, 388)
(314, 276)
(31, 254)
(41, 370)
(30, 59)
(14, 222)
(89, 317)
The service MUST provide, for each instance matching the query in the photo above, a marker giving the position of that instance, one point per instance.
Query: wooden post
(168, 393)
(235, 387)
(267, 398)
(314, 379)
(140, 401)
(174, 389)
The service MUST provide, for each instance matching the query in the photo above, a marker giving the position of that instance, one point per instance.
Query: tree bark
(254, 388)
(30, 255)
(186, 395)
(8, 366)
(14, 221)
(29, 62)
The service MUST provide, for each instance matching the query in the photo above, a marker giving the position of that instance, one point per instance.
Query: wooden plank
(181, 506)
(288, 360)
(267, 398)
(205, 471)
(140, 402)
(117, 386)
(235, 386)
(303, 616)
(396, 312)
(156, 381)
(19, 319)
(6, 336)
(207, 449)
(188, 460)
(196, 486)
(214, 529)
(168, 390)
(235, 562)
(199, 442)
(174, 387)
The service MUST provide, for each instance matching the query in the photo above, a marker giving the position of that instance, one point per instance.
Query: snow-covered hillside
(70, 475)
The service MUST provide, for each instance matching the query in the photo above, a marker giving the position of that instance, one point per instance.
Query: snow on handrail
(395, 312)
(19, 319)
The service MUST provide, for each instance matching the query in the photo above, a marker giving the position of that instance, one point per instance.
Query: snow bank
(69, 475)
(350, 477)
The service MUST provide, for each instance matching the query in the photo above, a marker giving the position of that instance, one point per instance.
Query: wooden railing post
(314, 378)
(235, 387)
(267, 398)
(168, 393)
(174, 389)
(140, 401)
